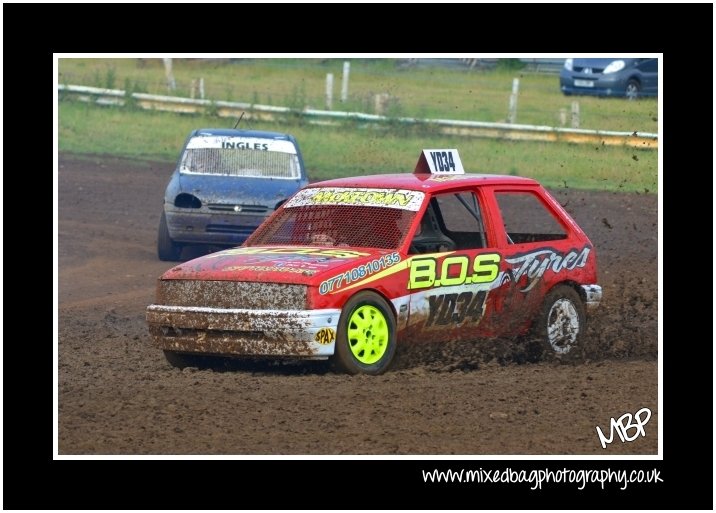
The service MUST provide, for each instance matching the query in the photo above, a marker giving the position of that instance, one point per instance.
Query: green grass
(335, 152)
(419, 92)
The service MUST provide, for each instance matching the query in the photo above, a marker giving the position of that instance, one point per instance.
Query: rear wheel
(561, 322)
(366, 339)
(167, 249)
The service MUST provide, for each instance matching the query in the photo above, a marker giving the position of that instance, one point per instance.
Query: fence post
(201, 88)
(329, 91)
(512, 115)
(381, 100)
(192, 89)
(171, 83)
(344, 83)
(575, 114)
(562, 117)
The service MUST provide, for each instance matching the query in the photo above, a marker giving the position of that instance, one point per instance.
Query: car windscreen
(241, 157)
(342, 217)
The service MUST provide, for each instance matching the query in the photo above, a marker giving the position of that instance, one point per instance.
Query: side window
(451, 222)
(527, 219)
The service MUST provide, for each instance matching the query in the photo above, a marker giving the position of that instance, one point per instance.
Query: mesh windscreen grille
(359, 226)
(240, 162)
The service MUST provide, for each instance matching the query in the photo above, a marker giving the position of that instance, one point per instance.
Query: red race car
(351, 268)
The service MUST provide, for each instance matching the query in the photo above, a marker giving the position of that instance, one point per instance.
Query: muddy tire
(366, 339)
(182, 360)
(167, 249)
(561, 323)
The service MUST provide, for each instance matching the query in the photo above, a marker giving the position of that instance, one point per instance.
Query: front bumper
(244, 332)
(601, 85)
(592, 295)
(186, 226)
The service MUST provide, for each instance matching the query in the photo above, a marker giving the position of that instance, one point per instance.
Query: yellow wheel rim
(368, 334)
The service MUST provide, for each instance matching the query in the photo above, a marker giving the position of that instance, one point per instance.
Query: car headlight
(568, 64)
(613, 67)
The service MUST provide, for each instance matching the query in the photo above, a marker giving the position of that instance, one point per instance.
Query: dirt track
(117, 394)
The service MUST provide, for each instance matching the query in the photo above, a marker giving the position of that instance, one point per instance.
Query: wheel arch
(378, 293)
(573, 285)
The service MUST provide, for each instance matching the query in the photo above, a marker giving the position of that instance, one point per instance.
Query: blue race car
(225, 184)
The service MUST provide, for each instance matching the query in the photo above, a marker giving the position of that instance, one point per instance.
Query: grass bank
(335, 152)
(423, 92)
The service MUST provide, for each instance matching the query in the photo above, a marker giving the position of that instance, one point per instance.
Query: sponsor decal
(390, 198)
(424, 271)
(535, 264)
(268, 268)
(301, 261)
(358, 273)
(454, 270)
(241, 143)
(291, 250)
(325, 336)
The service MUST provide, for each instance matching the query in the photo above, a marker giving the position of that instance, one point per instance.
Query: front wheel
(366, 339)
(633, 88)
(561, 322)
(167, 249)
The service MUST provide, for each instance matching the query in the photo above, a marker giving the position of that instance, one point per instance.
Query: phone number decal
(358, 273)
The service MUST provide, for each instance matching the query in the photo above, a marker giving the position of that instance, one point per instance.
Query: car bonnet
(272, 264)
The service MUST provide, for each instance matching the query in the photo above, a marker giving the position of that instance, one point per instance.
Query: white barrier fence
(509, 131)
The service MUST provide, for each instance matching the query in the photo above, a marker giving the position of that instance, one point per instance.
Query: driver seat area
(431, 238)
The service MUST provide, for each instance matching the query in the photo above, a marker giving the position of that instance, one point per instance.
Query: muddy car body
(349, 269)
(226, 183)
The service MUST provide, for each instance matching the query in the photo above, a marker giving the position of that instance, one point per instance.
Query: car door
(539, 248)
(453, 268)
